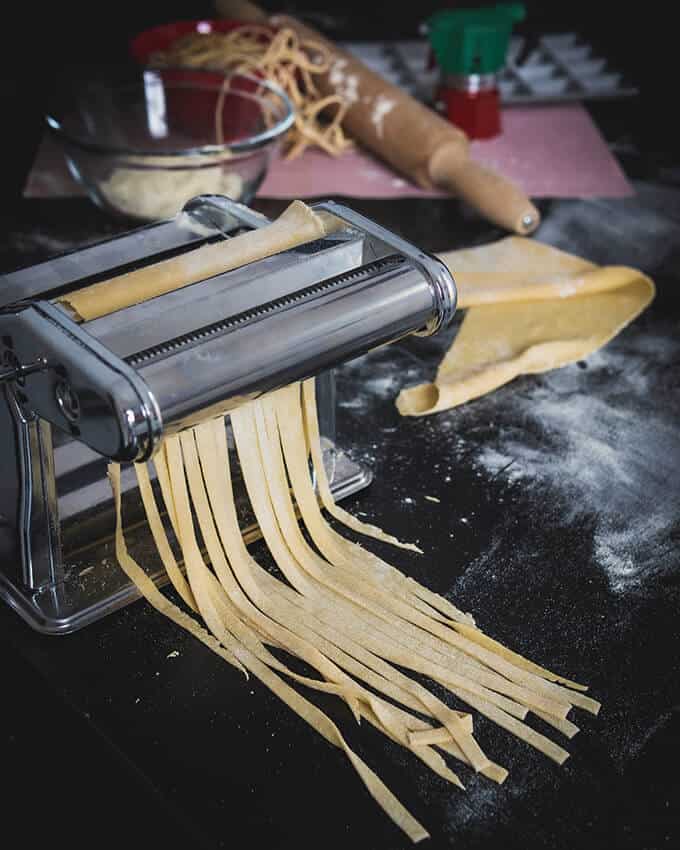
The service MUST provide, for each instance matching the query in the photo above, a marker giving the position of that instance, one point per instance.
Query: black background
(105, 742)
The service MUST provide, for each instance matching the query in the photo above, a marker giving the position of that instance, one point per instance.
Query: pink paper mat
(550, 151)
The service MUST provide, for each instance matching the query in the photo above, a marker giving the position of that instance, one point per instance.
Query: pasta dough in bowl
(142, 147)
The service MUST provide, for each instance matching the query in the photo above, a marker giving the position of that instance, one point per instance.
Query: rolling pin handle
(498, 199)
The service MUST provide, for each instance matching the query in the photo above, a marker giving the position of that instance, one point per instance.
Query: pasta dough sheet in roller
(401, 657)
(530, 308)
(296, 225)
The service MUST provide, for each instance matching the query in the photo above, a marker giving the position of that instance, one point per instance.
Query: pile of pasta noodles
(283, 59)
(373, 637)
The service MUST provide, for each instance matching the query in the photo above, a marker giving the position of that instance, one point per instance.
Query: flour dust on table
(604, 452)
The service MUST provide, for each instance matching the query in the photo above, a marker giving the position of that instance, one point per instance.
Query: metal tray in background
(559, 68)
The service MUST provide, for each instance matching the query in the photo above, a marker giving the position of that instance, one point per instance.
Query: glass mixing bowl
(142, 147)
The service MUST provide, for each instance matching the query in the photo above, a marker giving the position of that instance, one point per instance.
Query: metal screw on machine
(68, 401)
(16, 371)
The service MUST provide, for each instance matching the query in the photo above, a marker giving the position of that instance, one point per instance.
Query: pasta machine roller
(74, 396)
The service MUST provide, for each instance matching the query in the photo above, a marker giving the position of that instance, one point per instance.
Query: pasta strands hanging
(368, 634)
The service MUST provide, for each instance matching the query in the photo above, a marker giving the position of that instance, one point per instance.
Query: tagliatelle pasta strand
(368, 634)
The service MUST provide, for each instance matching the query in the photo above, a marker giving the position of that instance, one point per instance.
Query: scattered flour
(346, 85)
(602, 437)
(610, 453)
(371, 379)
(382, 106)
(568, 289)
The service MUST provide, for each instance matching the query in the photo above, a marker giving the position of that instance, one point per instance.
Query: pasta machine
(74, 396)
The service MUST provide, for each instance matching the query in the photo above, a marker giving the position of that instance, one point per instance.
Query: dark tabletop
(558, 526)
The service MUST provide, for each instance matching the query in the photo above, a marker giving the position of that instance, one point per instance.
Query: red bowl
(193, 109)
(161, 37)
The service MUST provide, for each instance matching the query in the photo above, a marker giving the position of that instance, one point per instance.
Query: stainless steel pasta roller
(78, 394)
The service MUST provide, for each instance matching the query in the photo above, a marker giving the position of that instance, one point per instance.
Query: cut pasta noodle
(283, 59)
(379, 641)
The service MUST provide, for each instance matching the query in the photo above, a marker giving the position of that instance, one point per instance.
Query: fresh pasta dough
(531, 308)
(151, 194)
(379, 641)
(296, 225)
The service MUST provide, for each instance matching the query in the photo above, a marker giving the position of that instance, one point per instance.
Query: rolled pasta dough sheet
(297, 225)
(530, 308)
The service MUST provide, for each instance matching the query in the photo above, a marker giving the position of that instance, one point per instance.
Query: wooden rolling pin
(415, 140)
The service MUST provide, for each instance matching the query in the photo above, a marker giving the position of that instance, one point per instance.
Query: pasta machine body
(76, 395)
